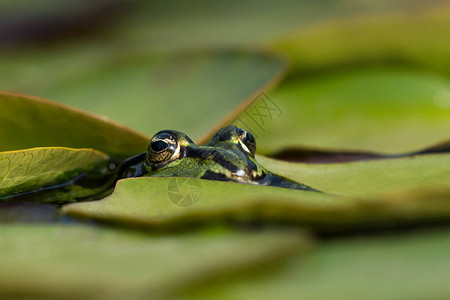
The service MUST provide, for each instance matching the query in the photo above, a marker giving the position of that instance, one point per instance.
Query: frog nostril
(159, 146)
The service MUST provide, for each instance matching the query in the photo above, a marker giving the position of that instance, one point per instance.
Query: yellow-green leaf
(27, 170)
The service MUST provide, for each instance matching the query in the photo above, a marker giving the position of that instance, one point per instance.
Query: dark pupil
(249, 137)
(159, 146)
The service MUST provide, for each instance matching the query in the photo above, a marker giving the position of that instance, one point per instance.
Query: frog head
(229, 156)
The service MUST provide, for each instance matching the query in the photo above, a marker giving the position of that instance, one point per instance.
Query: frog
(229, 156)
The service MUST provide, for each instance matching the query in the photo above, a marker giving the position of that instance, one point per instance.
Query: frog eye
(246, 140)
(163, 147)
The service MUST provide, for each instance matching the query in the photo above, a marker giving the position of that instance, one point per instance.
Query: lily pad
(80, 262)
(146, 92)
(411, 192)
(388, 111)
(415, 38)
(408, 266)
(27, 170)
(27, 122)
(374, 177)
(152, 201)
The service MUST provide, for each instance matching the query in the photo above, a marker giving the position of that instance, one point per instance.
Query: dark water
(318, 156)
(30, 212)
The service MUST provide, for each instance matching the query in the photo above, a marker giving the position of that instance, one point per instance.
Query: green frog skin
(229, 156)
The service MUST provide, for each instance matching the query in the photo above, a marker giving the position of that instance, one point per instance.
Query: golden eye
(246, 140)
(163, 147)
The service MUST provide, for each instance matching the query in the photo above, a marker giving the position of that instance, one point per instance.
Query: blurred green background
(153, 65)
(346, 75)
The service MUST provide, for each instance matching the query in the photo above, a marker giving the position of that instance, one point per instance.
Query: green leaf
(373, 194)
(80, 262)
(408, 266)
(191, 93)
(27, 122)
(415, 38)
(372, 177)
(387, 111)
(152, 201)
(27, 170)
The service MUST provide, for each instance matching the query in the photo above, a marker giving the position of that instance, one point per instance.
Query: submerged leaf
(27, 170)
(27, 122)
(80, 262)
